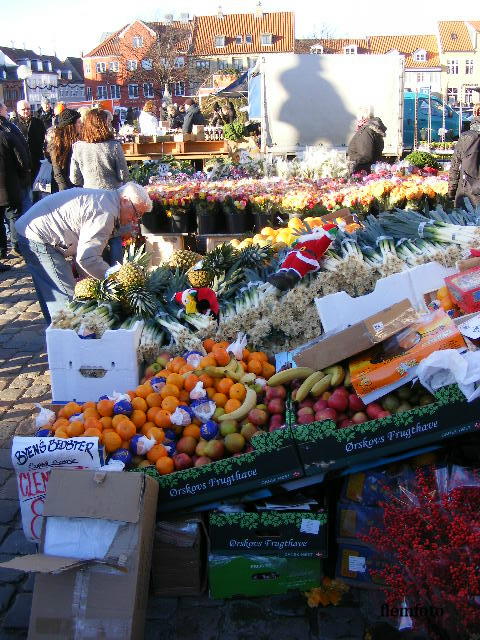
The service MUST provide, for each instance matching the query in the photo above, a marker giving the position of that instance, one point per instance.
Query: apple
(373, 410)
(201, 460)
(305, 418)
(338, 401)
(276, 392)
(248, 431)
(276, 422)
(182, 461)
(359, 417)
(234, 442)
(320, 405)
(187, 444)
(355, 403)
(258, 416)
(306, 403)
(215, 449)
(163, 359)
(342, 390)
(327, 414)
(346, 423)
(219, 411)
(384, 414)
(276, 405)
(228, 426)
(200, 448)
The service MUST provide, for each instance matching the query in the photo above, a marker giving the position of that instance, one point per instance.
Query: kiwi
(405, 406)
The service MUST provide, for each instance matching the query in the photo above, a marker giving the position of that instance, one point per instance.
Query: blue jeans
(14, 214)
(51, 274)
(116, 250)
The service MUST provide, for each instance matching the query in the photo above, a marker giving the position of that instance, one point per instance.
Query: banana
(338, 374)
(321, 386)
(248, 404)
(287, 375)
(307, 385)
(248, 378)
(214, 372)
(348, 380)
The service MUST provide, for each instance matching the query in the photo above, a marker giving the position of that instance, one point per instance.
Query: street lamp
(24, 72)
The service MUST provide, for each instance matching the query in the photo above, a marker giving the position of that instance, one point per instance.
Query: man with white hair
(45, 113)
(75, 222)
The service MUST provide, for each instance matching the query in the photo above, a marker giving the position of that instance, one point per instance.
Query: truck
(317, 100)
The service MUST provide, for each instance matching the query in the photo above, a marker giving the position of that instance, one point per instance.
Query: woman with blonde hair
(147, 120)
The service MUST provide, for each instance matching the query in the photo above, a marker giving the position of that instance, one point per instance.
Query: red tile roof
(407, 45)
(454, 36)
(331, 45)
(475, 24)
(280, 24)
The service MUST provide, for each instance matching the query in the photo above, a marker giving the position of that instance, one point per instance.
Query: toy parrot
(201, 300)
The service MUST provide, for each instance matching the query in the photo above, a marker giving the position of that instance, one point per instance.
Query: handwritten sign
(34, 458)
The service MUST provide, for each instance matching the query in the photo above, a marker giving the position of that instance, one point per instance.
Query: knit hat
(68, 116)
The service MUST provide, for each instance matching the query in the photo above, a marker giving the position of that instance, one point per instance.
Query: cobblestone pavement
(24, 381)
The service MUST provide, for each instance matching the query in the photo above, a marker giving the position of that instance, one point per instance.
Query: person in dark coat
(116, 123)
(366, 146)
(65, 134)
(34, 133)
(459, 187)
(16, 198)
(45, 113)
(193, 115)
(217, 117)
(129, 118)
(229, 114)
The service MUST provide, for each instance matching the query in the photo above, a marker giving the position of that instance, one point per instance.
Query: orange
(70, 409)
(154, 399)
(208, 344)
(60, 423)
(60, 433)
(152, 412)
(208, 381)
(221, 356)
(156, 433)
(126, 430)
(176, 379)
(75, 428)
(192, 430)
(108, 430)
(156, 452)
(232, 405)
(238, 391)
(112, 441)
(223, 385)
(92, 423)
(162, 419)
(243, 365)
(208, 361)
(170, 403)
(143, 390)
(138, 417)
(223, 343)
(164, 465)
(197, 421)
(258, 355)
(170, 390)
(91, 413)
(185, 369)
(164, 373)
(125, 444)
(146, 428)
(93, 433)
(267, 370)
(211, 391)
(254, 366)
(184, 397)
(105, 407)
(116, 420)
(220, 399)
(245, 355)
(140, 404)
(190, 382)
(175, 364)
(131, 393)
(89, 405)
(106, 422)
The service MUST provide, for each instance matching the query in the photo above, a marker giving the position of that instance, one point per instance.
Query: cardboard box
(179, 556)
(198, 130)
(255, 554)
(183, 137)
(161, 247)
(332, 348)
(464, 288)
(213, 241)
(94, 563)
(355, 565)
(354, 521)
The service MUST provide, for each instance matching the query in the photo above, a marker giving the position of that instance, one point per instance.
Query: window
(101, 67)
(251, 62)
(248, 38)
(179, 89)
(202, 64)
(89, 93)
(115, 91)
(452, 94)
(222, 64)
(131, 65)
(137, 42)
(69, 75)
(237, 63)
(37, 65)
(113, 66)
(102, 92)
(266, 39)
(350, 50)
(468, 67)
(179, 62)
(469, 96)
(48, 65)
(317, 48)
(420, 55)
(452, 67)
(24, 61)
(133, 90)
(219, 41)
(238, 39)
(420, 77)
(88, 68)
(147, 64)
(147, 90)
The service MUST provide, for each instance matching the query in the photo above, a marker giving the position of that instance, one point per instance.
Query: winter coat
(14, 164)
(98, 165)
(33, 131)
(46, 117)
(366, 146)
(230, 116)
(77, 222)
(61, 175)
(217, 119)
(458, 187)
(193, 115)
(148, 123)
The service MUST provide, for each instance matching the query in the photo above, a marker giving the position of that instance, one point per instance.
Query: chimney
(259, 10)
(219, 12)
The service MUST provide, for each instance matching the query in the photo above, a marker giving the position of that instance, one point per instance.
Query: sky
(70, 28)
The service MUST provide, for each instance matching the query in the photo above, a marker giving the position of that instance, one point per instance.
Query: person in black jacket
(65, 134)
(33, 132)
(193, 115)
(461, 185)
(217, 116)
(45, 113)
(366, 146)
(229, 114)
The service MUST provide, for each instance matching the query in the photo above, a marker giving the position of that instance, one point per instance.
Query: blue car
(451, 122)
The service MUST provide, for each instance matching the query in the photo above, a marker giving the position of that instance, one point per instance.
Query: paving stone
(337, 623)
(29, 583)
(9, 490)
(156, 630)
(36, 390)
(3, 529)
(18, 615)
(20, 382)
(4, 475)
(6, 592)
(8, 510)
(192, 624)
(17, 544)
(200, 601)
(11, 394)
(5, 459)
(9, 576)
(161, 608)
(292, 604)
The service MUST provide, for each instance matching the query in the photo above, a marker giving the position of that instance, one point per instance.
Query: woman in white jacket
(147, 119)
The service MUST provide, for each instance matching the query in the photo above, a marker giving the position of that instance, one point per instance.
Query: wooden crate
(211, 242)
(161, 247)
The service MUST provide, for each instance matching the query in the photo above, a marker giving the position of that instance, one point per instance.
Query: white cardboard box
(161, 247)
(83, 370)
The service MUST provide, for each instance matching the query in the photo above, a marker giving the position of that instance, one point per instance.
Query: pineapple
(130, 276)
(254, 256)
(87, 289)
(184, 259)
(220, 259)
(140, 302)
(200, 277)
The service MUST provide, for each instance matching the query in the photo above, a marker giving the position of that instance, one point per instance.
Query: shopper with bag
(60, 147)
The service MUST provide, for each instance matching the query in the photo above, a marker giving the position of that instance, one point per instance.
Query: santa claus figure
(201, 300)
(303, 258)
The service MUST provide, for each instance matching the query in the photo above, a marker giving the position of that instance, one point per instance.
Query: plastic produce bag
(45, 418)
(448, 366)
(43, 181)
(238, 346)
(198, 392)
